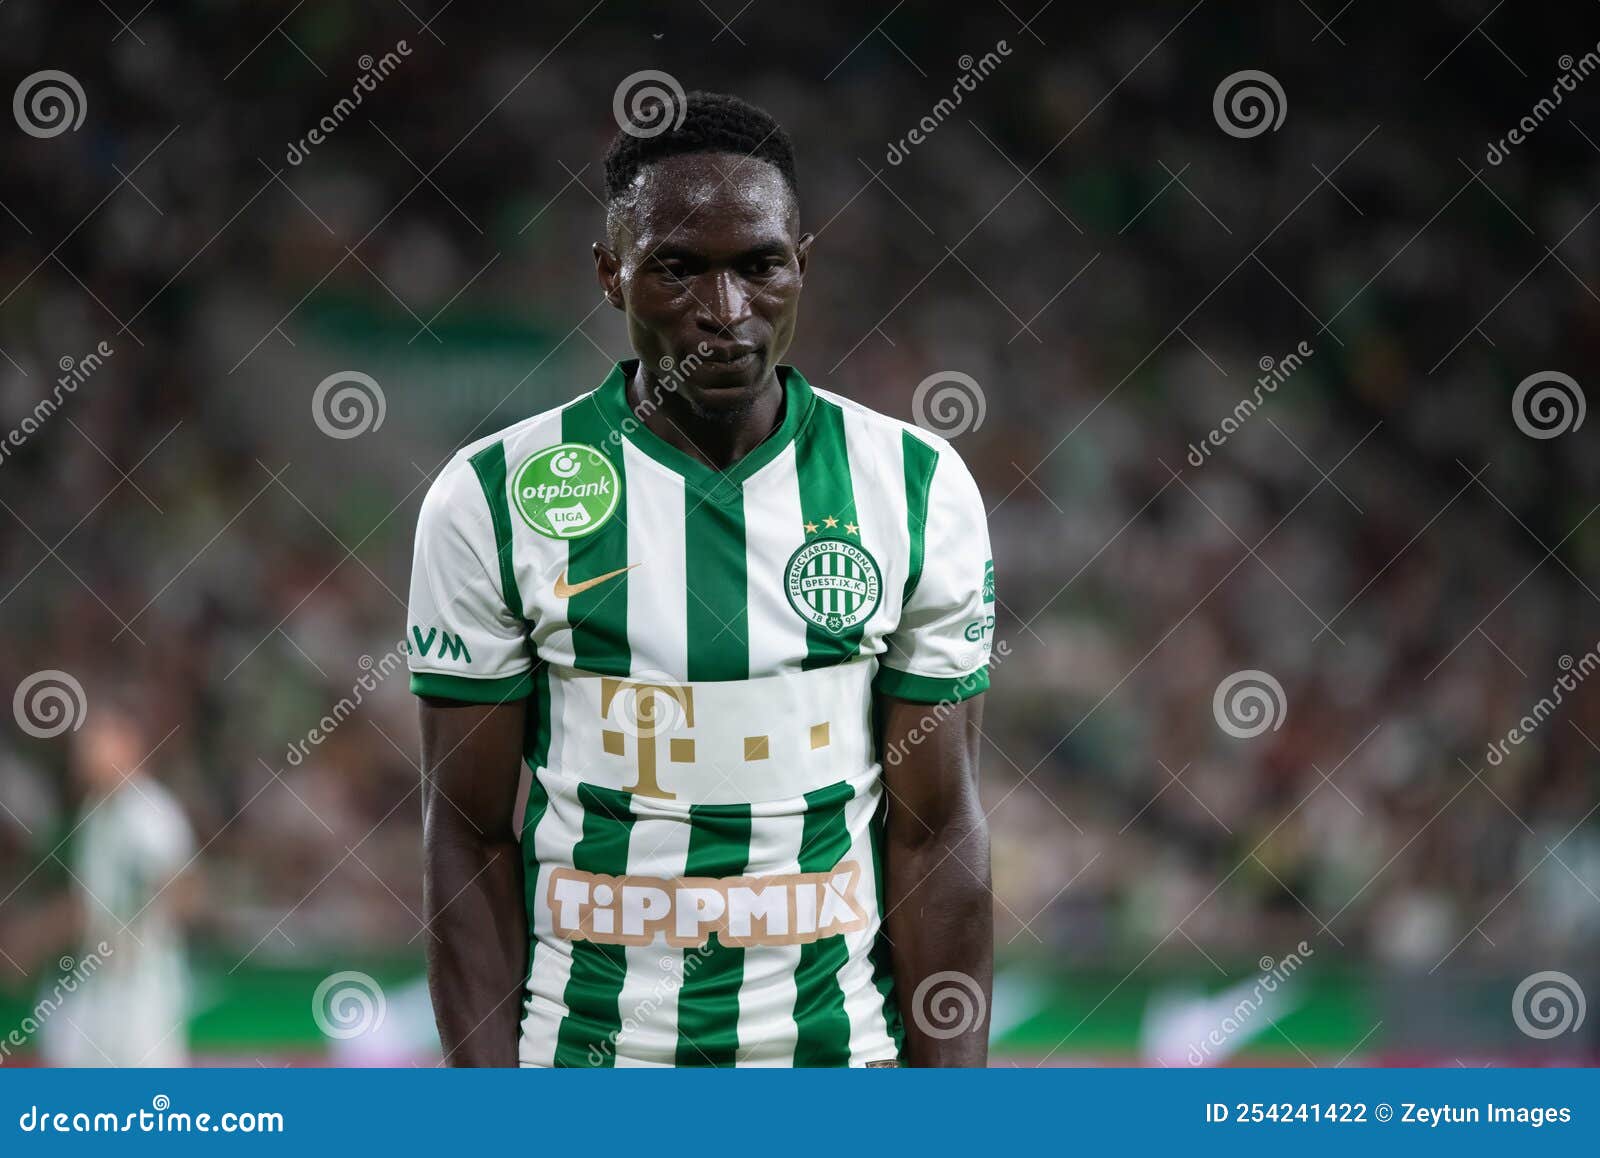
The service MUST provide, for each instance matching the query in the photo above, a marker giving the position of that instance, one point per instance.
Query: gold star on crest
(852, 529)
(811, 528)
(830, 521)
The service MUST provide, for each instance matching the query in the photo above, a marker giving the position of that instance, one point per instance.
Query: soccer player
(737, 627)
(133, 899)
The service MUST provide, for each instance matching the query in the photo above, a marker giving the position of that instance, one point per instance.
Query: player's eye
(766, 266)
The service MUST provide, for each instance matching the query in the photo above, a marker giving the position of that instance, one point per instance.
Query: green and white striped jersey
(701, 648)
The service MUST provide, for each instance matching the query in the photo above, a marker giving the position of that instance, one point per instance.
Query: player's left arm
(931, 678)
(936, 880)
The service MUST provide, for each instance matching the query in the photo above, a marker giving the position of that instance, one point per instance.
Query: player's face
(107, 752)
(707, 258)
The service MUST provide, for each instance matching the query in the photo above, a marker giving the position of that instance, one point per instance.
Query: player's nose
(726, 303)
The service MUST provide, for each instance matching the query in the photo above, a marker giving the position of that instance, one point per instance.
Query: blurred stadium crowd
(1080, 237)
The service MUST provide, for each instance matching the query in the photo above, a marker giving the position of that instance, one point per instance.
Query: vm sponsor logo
(450, 646)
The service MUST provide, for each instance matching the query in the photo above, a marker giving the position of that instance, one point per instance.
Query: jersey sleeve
(465, 642)
(939, 651)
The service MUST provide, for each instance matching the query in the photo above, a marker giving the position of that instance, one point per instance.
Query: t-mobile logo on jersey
(646, 711)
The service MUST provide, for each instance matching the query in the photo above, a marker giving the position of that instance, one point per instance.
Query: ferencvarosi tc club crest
(833, 584)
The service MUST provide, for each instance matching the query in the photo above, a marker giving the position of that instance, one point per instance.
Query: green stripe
(930, 689)
(819, 1014)
(536, 750)
(594, 990)
(708, 1003)
(470, 690)
(882, 953)
(919, 459)
(822, 463)
(719, 835)
(489, 464)
(599, 616)
(536, 731)
(716, 603)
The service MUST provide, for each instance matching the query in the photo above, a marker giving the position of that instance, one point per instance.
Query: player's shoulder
(892, 434)
(458, 487)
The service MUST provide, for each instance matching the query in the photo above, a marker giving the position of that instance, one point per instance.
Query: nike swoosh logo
(565, 590)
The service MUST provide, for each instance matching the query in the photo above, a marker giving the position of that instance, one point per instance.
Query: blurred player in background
(130, 899)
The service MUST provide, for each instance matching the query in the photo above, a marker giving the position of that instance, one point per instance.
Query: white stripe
(544, 1004)
(726, 713)
(657, 626)
(539, 561)
(773, 530)
(648, 1002)
(877, 476)
(658, 644)
(863, 1004)
(767, 1030)
(634, 1063)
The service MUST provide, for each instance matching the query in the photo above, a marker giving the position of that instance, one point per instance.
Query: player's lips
(731, 358)
(735, 354)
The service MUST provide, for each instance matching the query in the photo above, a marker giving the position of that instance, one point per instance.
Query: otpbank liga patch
(566, 491)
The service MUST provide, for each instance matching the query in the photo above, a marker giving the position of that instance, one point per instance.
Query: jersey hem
(930, 689)
(472, 691)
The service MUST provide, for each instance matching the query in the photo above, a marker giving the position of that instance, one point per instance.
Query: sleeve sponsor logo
(450, 647)
(988, 582)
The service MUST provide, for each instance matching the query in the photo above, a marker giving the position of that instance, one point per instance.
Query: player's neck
(717, 442)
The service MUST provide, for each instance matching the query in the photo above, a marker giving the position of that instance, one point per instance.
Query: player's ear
(608, 269)
(802, 252)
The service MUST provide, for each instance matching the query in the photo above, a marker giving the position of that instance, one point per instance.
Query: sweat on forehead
(691, 192)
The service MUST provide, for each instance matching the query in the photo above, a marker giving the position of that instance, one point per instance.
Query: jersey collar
(718, 485)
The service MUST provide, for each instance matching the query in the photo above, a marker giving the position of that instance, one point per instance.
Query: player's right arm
(472, 878)
(470, 664)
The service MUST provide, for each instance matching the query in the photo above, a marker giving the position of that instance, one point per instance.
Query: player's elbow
(956, 824)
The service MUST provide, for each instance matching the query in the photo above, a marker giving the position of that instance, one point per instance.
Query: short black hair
(712, 122)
